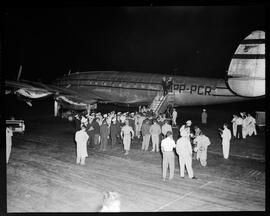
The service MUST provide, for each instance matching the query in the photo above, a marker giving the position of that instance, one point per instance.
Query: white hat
(83, 120)
(204, 110)
(188, 122)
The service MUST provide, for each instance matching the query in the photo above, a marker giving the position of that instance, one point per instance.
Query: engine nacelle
(246, 75)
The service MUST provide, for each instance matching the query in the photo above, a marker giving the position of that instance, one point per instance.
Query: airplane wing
(32, 90)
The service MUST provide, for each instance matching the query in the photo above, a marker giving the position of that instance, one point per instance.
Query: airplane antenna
(19, 74)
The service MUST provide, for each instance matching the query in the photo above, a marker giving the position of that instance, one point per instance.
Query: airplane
(83, 90)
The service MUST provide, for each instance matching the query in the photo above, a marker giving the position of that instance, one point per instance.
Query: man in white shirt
(127, 134)
(251, 125)
(174, 117)
(202, 142)
(239, 128)
(167, 146)
(245, 127)
(137, 125)
(234, 126)
(226, 137)
(185, 129)
(81, 138)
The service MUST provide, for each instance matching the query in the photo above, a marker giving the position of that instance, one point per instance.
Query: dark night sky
(181, 40)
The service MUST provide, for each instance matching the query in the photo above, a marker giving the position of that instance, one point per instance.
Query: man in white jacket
(226, 137)
(234, 125)
(127, 134)
(184, 151)
(251, 125)
(174, 117)
(81, 138)
(202, 142)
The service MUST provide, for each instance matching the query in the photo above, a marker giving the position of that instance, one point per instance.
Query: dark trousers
(239, 131)
(91, 140)
(113, 141)
(103, 143)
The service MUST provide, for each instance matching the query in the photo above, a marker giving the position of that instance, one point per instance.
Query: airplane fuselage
(141, 88)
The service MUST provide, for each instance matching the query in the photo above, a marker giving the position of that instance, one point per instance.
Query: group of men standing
(243, 125)
(98, 130)
(121, 127)
(188, 144)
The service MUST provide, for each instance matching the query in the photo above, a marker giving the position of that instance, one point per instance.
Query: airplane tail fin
(246, 75)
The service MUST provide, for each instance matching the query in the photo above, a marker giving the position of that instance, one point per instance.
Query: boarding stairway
(160, 102)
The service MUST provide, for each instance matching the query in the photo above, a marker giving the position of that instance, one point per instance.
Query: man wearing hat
(114, 131)
(184, 151)
(226, 137)
(127, 134)
(131, 121)
(155, 131)
(77, 122)
(185, 129)
(239, 127)
(145, 134)
(90, 131)
(81, 138)
(96, 131)
(174, 117)
(104, 135)
(167, 146)
(84, 121)
(165, 128)
(204, 116)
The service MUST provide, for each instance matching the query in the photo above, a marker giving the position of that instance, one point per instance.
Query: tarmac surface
(42, 175)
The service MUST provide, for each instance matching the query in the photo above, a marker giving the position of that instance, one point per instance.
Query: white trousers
(145, 143)
(126, 142)
(226, 149)
(137, 130)
(234, 126)
(155, 142)
(185, 161)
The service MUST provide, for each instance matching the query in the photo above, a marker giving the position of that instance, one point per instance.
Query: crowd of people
(99, 131)
(243, 125)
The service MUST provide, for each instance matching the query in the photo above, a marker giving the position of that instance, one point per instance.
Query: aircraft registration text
(193, 89)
